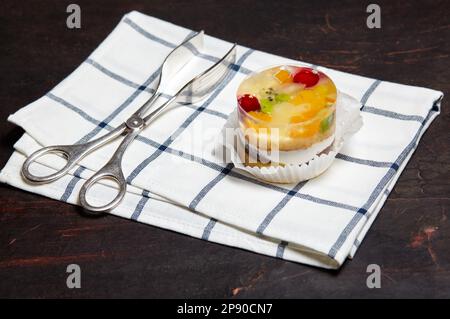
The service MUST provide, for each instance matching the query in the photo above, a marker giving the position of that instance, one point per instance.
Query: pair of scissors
(193, 91)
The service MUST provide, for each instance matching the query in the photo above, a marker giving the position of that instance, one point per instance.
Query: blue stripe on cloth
(271, 215)
(73, 108)
(209, 186)
(212, 112)
(189, 120)
(148, 35)
(140, 205)
(362, 161)
(280, 249)
(118, 77)
(208, 228)
(73, 182)
(153, 37)
(369, 92)
(77, 110)
(326, 202)
(394, 115)
(210, 164)
(378, 189)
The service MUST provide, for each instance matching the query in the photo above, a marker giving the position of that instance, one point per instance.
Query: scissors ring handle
(110, 171)
(72, 153)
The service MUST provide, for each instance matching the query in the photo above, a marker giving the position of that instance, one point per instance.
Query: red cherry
(249, 102)
(306, 76)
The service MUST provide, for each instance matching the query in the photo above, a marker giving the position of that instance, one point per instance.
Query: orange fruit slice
(283, 76)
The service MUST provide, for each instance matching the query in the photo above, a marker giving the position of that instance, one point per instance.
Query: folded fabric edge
(27, 144)
(349, 248)
(10, 174)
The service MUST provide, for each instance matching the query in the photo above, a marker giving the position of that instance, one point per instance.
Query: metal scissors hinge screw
(135, 122)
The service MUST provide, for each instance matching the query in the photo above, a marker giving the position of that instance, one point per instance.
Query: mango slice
(283, 76)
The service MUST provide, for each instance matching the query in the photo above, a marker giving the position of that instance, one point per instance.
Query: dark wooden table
(410, 239)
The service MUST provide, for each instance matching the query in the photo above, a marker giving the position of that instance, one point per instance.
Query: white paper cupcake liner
(348, 122)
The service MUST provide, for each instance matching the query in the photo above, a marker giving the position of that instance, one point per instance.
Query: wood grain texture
(410, 239)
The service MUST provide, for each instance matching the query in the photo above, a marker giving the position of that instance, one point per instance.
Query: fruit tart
(287, 108)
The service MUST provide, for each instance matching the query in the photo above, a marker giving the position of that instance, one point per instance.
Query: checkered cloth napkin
(181, 187)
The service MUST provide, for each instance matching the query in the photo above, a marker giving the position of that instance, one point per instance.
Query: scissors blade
(180, 56)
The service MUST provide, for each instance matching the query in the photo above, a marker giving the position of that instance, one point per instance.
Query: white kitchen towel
(177, 182)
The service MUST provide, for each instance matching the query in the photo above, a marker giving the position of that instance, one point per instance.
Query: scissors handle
(72, 153)
(112, 171)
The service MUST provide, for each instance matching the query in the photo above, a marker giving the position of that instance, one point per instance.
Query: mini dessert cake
(298, 102)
